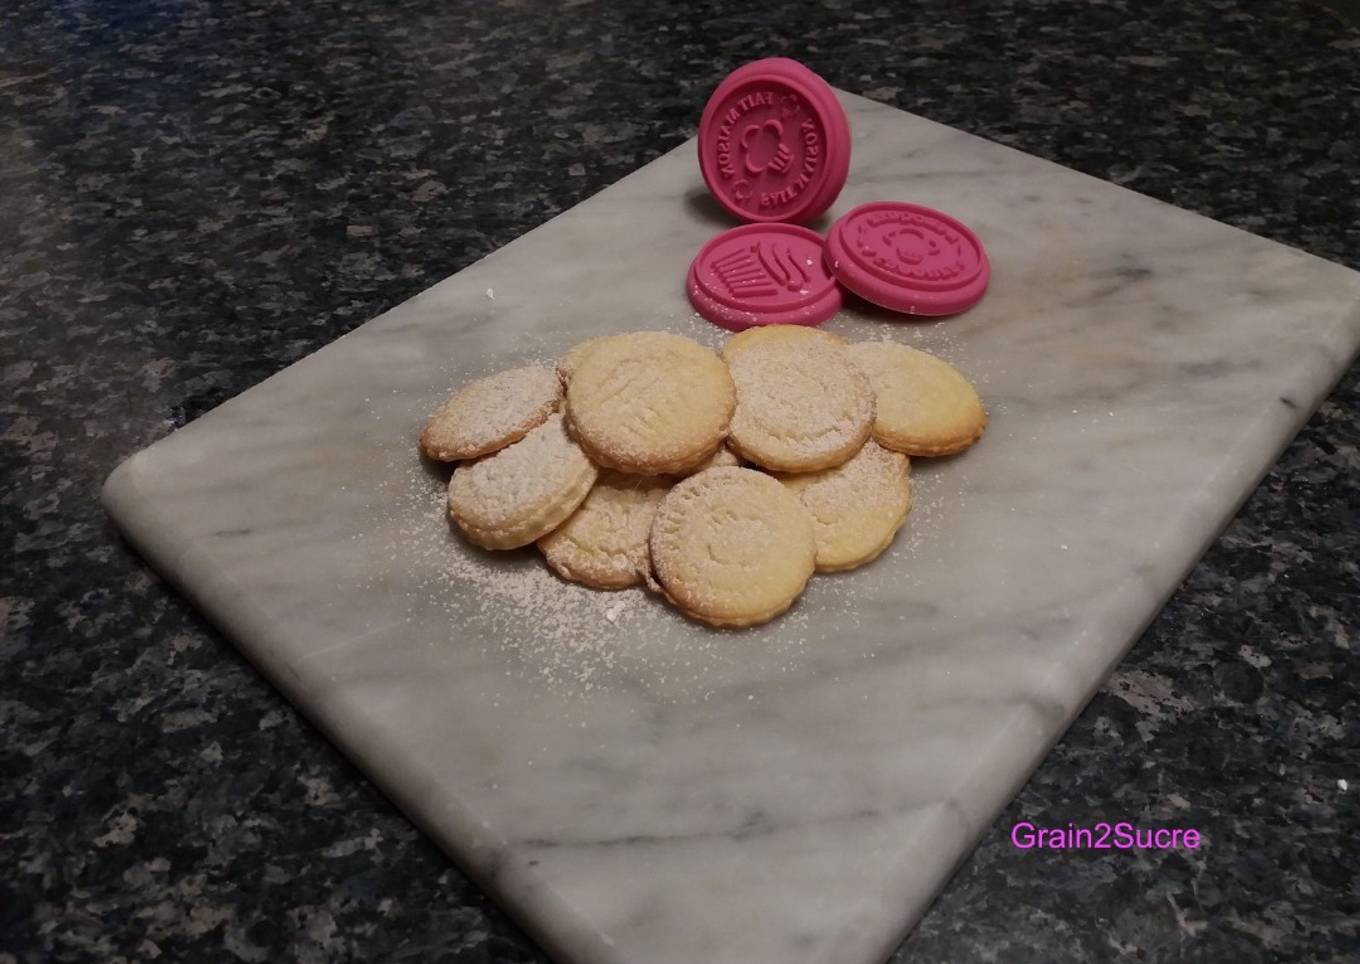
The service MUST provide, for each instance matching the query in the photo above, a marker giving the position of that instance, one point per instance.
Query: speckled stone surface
(194, 195)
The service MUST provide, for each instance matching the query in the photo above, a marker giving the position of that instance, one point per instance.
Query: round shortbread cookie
(723, 458)
(604, 543)
(732, 547)
(857, 507)
(566, 367)
(522, 492)
(490, 413)
(650, 403)
(778, 334)
(925, 407)
(801, 405)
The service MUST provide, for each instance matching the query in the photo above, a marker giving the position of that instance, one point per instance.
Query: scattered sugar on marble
(577, 640)
(574, 639)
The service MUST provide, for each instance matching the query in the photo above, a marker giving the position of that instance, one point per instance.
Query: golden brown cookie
(857, 507)
(490, 413)
(522, 492)
(925, 407)
(723, 458)
(566, 367)
(732, 547)
(604, 543)
(778, 334)
(801, 405)
(650, 403)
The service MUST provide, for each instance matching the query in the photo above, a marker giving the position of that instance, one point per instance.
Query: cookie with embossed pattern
(721, 459)
(778, 334)
(523, 492)
(801, 405)
(567, 365)
(857, 507)
(732, 547)
(604, 542)
(924, 406)
(650, 403)
(490, 413)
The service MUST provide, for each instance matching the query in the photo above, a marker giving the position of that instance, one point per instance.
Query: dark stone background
(194, 194)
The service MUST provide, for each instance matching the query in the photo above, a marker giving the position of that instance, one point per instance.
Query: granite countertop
(194, 195)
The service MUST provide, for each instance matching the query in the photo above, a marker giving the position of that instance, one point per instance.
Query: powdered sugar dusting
(514, 610)
(490, 412)
(516, 613)
(650, 402)
(498, 491)
(798, 401)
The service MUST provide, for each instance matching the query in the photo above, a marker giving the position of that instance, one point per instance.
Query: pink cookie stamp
(763, 274)
(774, 142)
(908, 258)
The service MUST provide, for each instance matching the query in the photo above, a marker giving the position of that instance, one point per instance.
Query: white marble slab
(638, 789)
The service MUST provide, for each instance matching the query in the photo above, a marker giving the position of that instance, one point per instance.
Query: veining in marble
(798, 792)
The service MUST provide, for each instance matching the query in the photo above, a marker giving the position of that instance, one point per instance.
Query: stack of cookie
(721, 480)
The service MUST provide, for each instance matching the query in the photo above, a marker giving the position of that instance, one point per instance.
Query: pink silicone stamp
(774, 142)
(763, 274)
(908, 258)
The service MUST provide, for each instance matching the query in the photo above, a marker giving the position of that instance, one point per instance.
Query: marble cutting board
(639, 790)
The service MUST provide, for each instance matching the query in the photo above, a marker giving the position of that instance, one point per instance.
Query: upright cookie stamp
(774, 142)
